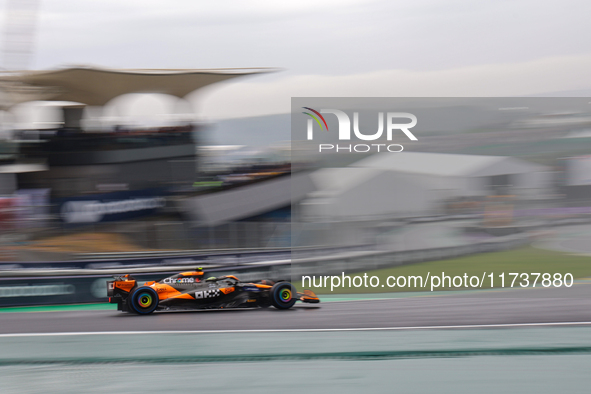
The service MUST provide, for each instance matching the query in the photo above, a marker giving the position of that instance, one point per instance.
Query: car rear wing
(120, 287)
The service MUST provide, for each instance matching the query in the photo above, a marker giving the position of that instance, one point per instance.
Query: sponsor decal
(176, 281)
(92, 211)
(250, 288)
(207, 294)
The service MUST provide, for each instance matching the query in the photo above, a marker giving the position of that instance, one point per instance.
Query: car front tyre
(283, 295)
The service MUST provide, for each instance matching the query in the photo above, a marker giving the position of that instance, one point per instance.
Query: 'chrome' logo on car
(178, 280)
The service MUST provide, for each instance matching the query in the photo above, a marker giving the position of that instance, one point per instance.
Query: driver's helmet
(198, 274)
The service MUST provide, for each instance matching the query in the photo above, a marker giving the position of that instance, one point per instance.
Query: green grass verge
(524, 260)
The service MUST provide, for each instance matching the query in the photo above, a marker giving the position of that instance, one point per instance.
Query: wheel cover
(145, 300)
(285, 295)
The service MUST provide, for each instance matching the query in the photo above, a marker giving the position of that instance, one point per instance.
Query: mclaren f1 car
(189, 290)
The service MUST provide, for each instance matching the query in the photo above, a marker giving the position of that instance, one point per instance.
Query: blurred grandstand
(73, 171)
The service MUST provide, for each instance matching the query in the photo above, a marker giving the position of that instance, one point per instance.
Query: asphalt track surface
(494, 307)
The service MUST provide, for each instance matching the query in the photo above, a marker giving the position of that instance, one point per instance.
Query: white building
(413, 184)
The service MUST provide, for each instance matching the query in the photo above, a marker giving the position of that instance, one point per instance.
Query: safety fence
(73, 284)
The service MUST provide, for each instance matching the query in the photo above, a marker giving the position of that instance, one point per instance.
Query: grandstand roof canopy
(96, 86)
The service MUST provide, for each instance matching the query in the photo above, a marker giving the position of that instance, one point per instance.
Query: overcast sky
(328, 47)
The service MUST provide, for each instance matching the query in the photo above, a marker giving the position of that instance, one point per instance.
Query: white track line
(469, 326)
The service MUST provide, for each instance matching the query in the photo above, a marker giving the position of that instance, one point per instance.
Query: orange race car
(189, 290)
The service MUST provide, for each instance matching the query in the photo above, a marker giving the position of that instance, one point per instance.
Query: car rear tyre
(143, 300)
(283, 295)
